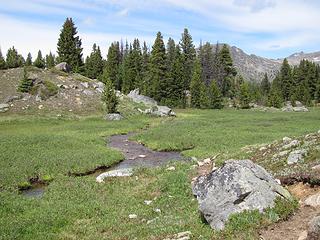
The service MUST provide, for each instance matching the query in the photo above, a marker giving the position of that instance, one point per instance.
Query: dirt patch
(296, 224)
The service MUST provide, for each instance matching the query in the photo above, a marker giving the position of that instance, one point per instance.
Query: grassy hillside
(79, 208)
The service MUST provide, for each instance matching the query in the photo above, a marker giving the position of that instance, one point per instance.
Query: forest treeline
(173, 72)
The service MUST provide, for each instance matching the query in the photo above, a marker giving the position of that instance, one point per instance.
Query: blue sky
(268, 28)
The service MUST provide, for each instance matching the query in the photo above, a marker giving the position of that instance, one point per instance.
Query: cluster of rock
(299, 107)
(4, 107)
(153, 107)
(237, 186)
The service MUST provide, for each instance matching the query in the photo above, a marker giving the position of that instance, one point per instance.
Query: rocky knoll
(237, 186)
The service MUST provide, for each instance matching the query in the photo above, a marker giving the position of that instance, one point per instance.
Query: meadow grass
(79, 208)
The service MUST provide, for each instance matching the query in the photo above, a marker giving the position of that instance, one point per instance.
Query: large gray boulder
(314, 229)
(136, 97)
(298, 107)
(162, 111)
(113, 117)
(65, 67)
(237, 186)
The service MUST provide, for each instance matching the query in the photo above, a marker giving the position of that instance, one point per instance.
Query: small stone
(314, 228)
(207, 161)
(292, 144)
(142, 156)
(262, 149)
(303, 235)
(214, 169)
(200, 164)
(183, 234)
(296, 156)
(132, 216)
(157, 210)
(147, 202)
(286, 139)
(278, 181)
(40, 107)
(70, 110)
(283, 153)
(171, 168)
(317, 167)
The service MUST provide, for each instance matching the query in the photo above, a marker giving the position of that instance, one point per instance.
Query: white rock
(142, 156)
(200, 164)
(286, 139)
(171, 168)
(303, 235)
(147, 202)
(296, 156)
(207, 161)
(85, 84)
(127, 172)
(132, 216)
(292, 144)
(40, 107)
(262, 149)
(214, 169)
(313, 200)
(157, 210)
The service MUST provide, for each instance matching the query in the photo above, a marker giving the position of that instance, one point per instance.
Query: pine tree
(229, 71)
(244, 96)
(25, 83)
(144, 68)
(286, 80)
(265, 85)
(112, 65)
(69, 46)
(157, 67)
(39, 62)
(137, 64)
(3, 64)
(94, 63)
(13, 60)
(215, 96)
(207, 63)
(29, 60)
(275, 95)
(50, 61)
(188, 56)
(109, 96)
(197, 88)
(128, 72)
(317, 93)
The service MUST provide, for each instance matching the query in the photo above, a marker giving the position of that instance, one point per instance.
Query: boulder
(313, 200)
(127, 172)
(65, 67)
(237, 186)
(298, 107)
(292, 144)
(314, 229)
(113, 117)
(4, 107)
(296, 156)
(162, 111)
(135, 96)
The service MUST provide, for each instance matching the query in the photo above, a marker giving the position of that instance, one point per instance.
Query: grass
(79, 208)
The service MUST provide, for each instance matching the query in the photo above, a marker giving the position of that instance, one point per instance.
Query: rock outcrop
(127, 172)
(65, 67)
(237, 186)
(113, 117)
(4, 107)
(298, 107)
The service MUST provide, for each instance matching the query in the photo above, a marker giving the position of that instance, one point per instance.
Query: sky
(267, 28)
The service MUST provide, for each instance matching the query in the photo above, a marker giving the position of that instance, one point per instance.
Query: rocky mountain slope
(253, 67)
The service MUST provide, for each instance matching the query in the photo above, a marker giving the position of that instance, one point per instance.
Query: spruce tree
(197, 88)
(137, 64)
(112, 65)
(13, 60)
(3, 64)
(244, 96)
(317, 93)
(128, 72)
(50, 61)
(157, 67)
(39, 62)
(215, 96)
(226, 63)
(25, 83)
(69, 46)
(275, 94)
(265, 85)
(94, 63)
(207, 63)
(29, 60)
(109, 96)
(188, 56)
(286, 80)
(144, 68)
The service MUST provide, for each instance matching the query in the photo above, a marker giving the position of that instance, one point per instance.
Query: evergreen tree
(244, 96)
(229, 71)
(317, 93)
(215, 96)
(128, 72)
(188, 56)
(25, 83)
(197, 88)
(137, 64)
(157, 68)
(170, 54)
(94, 63)
(109, 96)
(207, 63)
(29, 60)
(39, 62)
(50, 61)
(3, 64)
(275, 95)
(13, 60)
(286, 80)
(265, 85)
(112, 65)
(69, 46)
(144, 68)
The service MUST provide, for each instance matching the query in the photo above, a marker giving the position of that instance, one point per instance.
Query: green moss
(24, 185)
(47, 178)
